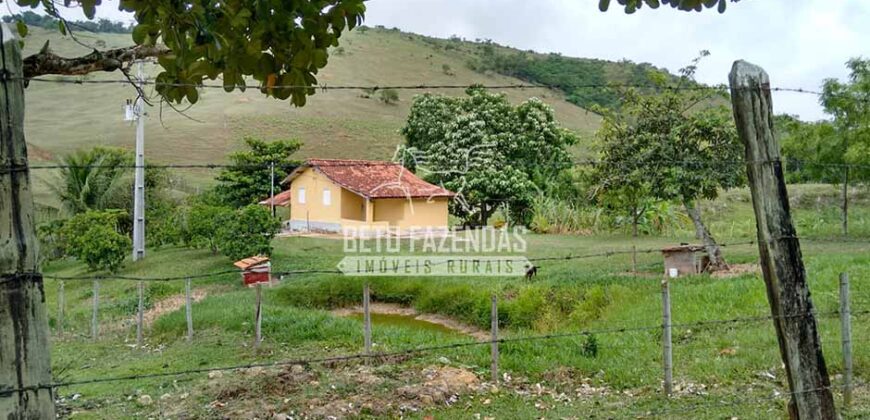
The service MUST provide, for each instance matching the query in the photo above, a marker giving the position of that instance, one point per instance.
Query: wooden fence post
(140, 315)
(667, 345)
(846, 338)
(258, 316)
(367, 320)
(24, 331)
(95, 326)
(60, 308)
(188, 309)
(494, 339)
(779, 247)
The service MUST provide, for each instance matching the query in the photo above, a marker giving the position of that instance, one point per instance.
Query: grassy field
(721, 370)
(63, 118)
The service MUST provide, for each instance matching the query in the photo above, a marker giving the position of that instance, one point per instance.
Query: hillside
(62, 118)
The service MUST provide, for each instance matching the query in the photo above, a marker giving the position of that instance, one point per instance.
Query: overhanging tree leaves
(280, 44)
(632, 6)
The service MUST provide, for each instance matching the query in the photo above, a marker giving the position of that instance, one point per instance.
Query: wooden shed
(255, 270)
(685, 259)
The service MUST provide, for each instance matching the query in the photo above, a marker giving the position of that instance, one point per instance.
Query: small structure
(331, 195)
(255, 270)
(685, 259)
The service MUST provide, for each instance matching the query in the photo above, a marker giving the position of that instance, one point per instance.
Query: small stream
(406, 321)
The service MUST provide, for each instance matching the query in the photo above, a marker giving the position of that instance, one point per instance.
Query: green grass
(333, 124)
(595, 294)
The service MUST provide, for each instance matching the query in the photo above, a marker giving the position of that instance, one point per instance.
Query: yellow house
(331, 195)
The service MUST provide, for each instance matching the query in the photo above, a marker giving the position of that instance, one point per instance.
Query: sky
(798, 42)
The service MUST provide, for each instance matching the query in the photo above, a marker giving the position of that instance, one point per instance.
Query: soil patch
(735, 270)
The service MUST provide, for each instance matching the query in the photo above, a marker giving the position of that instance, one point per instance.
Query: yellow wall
(314, 209)
(398, 212)
(352, 206)
(390, 210)
(421, 213)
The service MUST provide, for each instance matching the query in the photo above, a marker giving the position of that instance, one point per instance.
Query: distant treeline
(48, 22)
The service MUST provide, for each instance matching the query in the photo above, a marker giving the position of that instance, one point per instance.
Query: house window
(301, 198)
(327, 197)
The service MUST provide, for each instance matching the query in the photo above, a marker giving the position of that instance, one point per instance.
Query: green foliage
(554, 215)
(668, 146)
(447, 70)
(248, 180)
(486, 150)
(237, 233)
(589, 348)
(247, 232)
(30, 18)
(93, 238)
(94, 179)
(280, 44)
(631, 6)
(388, 96)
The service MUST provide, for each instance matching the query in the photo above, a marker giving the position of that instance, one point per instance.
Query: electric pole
(139, 187)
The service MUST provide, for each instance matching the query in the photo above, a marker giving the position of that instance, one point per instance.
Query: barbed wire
(299, 272)
(424, 86)
(374, 163)
(385, 356)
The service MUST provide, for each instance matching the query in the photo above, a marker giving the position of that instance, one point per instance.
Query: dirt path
(170, 304)
(393, 309)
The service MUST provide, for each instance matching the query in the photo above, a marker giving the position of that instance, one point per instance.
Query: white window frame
(300, 196)
(327, 197)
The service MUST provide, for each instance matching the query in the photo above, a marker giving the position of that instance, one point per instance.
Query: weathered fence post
(24, 345)
(188, 309)
(140, 315)
(367, 320)
(779, 248)
(95, 322)
(846, 338)
(60, 308)
(667, 345)
(258, 316)
(494, 339)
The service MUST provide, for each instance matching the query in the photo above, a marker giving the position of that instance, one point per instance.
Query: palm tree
(93, 180)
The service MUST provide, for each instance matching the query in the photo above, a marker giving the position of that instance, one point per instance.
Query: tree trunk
(779, 248)
(24, 347)
(713, 250)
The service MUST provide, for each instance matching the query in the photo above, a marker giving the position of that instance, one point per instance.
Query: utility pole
(139, 186)
(272, 188)
(781, 263)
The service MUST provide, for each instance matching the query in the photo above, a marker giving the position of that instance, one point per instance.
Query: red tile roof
(281, 199)
(372, 178)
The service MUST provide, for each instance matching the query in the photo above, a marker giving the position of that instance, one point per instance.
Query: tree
(91, 180)
(279, 44)
(665, 144)
(249, 178)
(93, 238)
(849, 103)
(489, 152)
(632, 6)
(248, 232)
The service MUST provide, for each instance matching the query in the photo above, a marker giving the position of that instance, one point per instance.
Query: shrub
(589, 348)
(248, 231)
(389, 96)
(447, 70)
(93, 238)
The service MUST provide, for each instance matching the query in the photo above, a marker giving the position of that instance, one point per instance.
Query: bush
(93, 238)
(389, 96)
(447, 70)
(247, 232)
